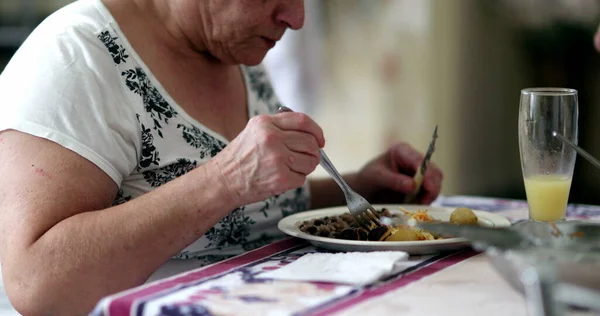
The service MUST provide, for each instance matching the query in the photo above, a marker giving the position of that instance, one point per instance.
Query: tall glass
(546, 161)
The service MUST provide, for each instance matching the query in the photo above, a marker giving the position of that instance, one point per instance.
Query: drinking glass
(546, 161)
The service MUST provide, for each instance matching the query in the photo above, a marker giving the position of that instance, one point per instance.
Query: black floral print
(268, 203)
(163, 133)
(233, 229)
(202, 259)
(297, 203)
(118, 52)
(138, 82)
(207, 144)
(259, 83)
(149, 155)
(163, 175)
(154, 103)
(184, 310)
(263, 240)
(121, 198)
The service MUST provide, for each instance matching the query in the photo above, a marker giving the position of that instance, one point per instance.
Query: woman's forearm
(93, 254)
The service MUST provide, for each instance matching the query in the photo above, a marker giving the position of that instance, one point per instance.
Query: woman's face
(243, 31)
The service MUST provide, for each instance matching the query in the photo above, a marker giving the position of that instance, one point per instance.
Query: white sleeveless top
(78, 82)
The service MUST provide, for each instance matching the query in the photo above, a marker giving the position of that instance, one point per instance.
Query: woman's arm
(64, 247)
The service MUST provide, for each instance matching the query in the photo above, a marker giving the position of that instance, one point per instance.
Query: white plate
(290, 224)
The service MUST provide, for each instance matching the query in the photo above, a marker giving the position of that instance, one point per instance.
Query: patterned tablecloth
(459, 283)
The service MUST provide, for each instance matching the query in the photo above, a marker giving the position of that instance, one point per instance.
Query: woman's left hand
(389, 177)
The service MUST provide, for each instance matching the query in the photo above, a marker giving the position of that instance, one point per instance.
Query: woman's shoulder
(71, 40)
(62, 84)
(71, 33)
(79, 19)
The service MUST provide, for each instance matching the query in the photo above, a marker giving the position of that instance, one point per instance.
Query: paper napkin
(356, 268)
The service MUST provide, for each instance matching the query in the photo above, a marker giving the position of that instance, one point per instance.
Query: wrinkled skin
(237, 31)
(271, 155)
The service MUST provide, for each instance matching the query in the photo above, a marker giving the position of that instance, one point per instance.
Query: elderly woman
(140, 133)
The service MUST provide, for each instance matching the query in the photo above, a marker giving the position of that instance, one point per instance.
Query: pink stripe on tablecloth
(402, 281)
(121, 303)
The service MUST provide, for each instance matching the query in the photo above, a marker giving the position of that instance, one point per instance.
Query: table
(459, 283)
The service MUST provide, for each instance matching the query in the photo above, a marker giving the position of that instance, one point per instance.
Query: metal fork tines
(359, 207)
(362, 211)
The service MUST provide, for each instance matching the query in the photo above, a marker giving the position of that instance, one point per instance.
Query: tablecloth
(458, 283)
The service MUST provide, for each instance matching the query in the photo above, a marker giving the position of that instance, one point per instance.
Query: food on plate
(404, 233)
(577, 234)
(556, 232)
(344, 226)
(464, 216)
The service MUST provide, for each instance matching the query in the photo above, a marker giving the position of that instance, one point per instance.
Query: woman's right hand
(273, 154)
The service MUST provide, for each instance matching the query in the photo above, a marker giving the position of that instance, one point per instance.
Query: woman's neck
(161, 26)
(165, 49)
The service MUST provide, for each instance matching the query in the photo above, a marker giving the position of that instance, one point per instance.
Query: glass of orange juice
(546, 161)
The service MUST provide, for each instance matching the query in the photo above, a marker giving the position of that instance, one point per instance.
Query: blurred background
(374, 72)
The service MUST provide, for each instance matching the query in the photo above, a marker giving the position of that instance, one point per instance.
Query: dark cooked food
(344, 226)
(379, 233)
(341, 227)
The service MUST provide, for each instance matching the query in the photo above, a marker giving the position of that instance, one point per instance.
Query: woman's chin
(250, 54)
(253, 59)
(246, 60)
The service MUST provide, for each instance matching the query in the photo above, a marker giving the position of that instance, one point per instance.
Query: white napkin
(356, 268)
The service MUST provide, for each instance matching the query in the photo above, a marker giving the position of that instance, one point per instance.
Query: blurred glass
(547, 162)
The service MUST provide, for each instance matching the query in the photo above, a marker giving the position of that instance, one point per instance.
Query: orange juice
(547, 196)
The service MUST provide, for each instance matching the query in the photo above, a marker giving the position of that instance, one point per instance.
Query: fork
(362, 211)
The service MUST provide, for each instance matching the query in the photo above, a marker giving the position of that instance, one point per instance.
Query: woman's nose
(291, 13)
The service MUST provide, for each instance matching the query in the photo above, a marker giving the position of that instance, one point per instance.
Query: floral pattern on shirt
(208, 145)
(118, 53)
(149, 155)
(121, 198)
(260, 84)
(233, 229)
(171, 146)
(171, 172)
(154, 103)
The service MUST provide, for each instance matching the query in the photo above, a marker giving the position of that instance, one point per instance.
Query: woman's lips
(270, 43)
